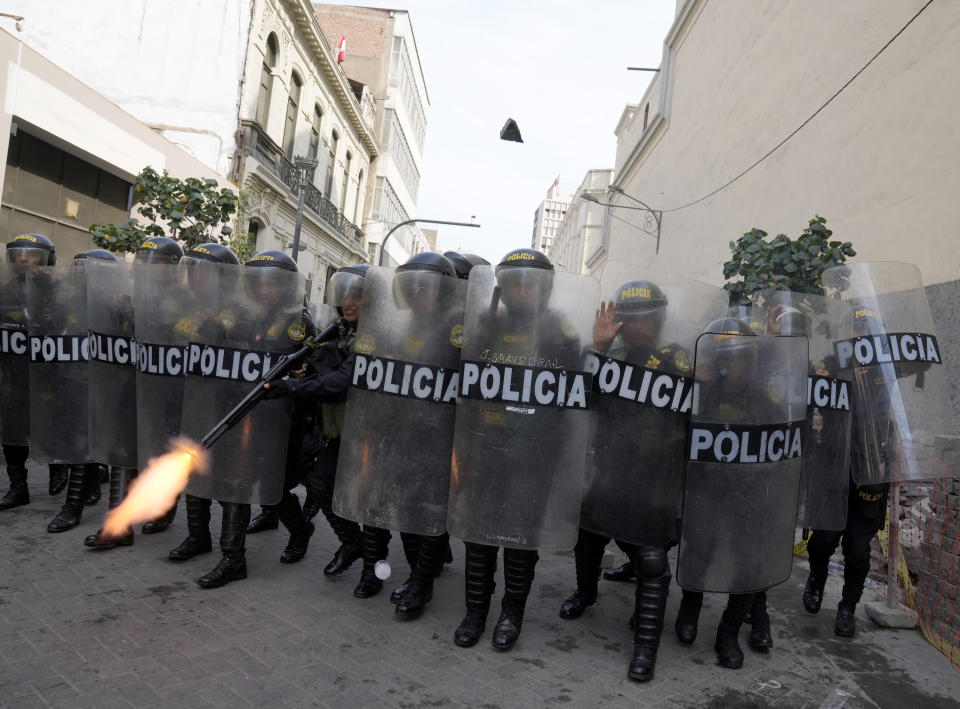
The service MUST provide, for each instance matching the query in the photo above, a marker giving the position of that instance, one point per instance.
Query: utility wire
(814, 115)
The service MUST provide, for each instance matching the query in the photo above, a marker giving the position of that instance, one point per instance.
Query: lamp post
(305, 168)
(383, 243)
(651, 222)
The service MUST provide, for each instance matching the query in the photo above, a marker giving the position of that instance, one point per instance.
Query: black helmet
(527, 268)
(347, 282)
(32, 245)
(866, 321)
(99, 254)
(639, 298)
(464, 262)
(419, 282)
(793, 322)
(159, 249)
(272, 259)
(213, 252)
(729, 326)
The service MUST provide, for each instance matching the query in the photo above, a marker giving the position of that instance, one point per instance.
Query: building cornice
(305, 20)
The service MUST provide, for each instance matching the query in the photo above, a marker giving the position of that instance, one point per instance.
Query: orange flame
(156, 489)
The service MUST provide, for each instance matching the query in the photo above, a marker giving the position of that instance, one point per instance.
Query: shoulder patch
(681, 361)
(296, 331)
(821, 370)
(456, 336)
(366, 344)
(652, 363)
(227, 319)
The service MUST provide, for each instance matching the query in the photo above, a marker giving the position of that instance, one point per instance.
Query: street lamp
(651, 224)
(383, 243)
(305, 168)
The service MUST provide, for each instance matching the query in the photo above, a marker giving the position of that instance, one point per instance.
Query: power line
(812, 116)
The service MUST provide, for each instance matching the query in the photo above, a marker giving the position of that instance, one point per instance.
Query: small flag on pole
(342, 49)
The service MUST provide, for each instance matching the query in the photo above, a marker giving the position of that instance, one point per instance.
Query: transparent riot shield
(394, 466)
(162, 330)
(516, 476)
(14, 359)
(242, 321)
(825, 478)
(902, 418)
(642, 392)
(112, 368)
(743, 463)
(57, 327)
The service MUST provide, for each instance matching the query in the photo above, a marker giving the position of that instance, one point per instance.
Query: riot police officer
(326, 383)
(628, 329)
(159, 250)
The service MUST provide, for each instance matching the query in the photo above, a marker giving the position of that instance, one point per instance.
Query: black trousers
(855, 539)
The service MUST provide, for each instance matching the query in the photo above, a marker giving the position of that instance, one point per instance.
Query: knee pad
(651, 562)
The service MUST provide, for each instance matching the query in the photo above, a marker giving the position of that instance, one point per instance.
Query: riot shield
(57, 327)
(824, 481)
(14, 360)
(112, 368)
(516, 476)
(394, 466)
(162, 330)
(242, 321)
(642, 392)
(902, 416)
(743, 463)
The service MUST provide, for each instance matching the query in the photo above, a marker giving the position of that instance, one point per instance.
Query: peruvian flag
(342, 49)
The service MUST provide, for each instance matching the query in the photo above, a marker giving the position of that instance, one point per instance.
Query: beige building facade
(581, 230)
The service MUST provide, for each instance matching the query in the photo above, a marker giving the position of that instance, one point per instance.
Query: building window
(266, 80)
(402, 75)
(356, 201)
(396, 142)
(646, 115)
(346, 182)
(331, 164)
(290, 125)
(253, 229)
(315, 132)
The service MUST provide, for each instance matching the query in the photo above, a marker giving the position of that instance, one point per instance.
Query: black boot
(96, 475)
(59, 474)
(480, 565)
(289, 512)
(160, 524)
(311, 504)
(348, 532)
(519, 567)
(624, 572)
(266, 520)
(120, 479)
(198, 530)
(760, 638)
(18, 494)
(431, 552)
(587, 555)
(375, 545)
(813, 594)
(846, 623)
(729, 654)
(69, 516)
(688, 616)
(651, 604)
(411, 550)
(233, 534)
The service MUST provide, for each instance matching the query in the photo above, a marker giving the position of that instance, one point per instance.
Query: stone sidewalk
(128, 628)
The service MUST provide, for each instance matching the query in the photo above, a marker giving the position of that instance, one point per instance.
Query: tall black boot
(587, 555)
(198, 530)
(290, 514)
(375, 547)
(688, 616)
(411, 550)
(69, 516)
(350, 536)
(95, 476)
(651, 605)
(160, 524)
(18, 494)
(120, 479)
(480, 565)
(233, 535)
(59, 474)
(431, 553)
(760, 638)
(269, 518)
(519, 567)
(727, 646)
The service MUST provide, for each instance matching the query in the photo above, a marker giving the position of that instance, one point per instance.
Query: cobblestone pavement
(126, 627)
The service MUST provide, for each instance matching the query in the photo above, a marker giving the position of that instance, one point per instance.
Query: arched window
(266, 80)
(331, 164)
(315, 131)
(346, 182)
(290, 125)
(253, 229)
(356, 201)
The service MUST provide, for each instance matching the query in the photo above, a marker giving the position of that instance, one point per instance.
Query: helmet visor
(152, 256)
(28, 255)
(418, 290)
(267, 285)
(524, 289)
(343, 287)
